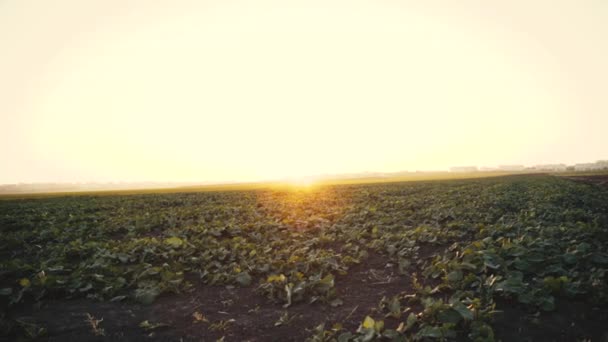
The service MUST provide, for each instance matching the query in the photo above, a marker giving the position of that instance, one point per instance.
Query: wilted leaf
(336, 302)
(147, 325)
(199, 317)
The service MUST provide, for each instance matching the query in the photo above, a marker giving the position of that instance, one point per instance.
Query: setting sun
(304, 183)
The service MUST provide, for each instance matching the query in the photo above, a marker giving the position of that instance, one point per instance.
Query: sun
(302, 183)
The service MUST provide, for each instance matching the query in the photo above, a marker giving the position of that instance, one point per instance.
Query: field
(511, 258)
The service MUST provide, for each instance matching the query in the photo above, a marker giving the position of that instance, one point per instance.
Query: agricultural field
(510, 258)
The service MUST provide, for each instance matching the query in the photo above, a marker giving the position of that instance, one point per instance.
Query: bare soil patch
(237, 314)
(572, 321)
(601, 180)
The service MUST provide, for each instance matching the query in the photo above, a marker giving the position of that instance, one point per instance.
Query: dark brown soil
(573, 321)
(601, 180)
(253, 315)
(249, 316)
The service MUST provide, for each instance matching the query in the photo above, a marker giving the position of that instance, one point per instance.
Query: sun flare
(303, 183)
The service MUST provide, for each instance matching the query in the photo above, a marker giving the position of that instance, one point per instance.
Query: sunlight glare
(302, 183)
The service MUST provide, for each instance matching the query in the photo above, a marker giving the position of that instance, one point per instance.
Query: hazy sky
(114, 90)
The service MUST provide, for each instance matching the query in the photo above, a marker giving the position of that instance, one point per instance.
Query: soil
(572, 321)
(249, 316)
(601, 180)
(253, 315)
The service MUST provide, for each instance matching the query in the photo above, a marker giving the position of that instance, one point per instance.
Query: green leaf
(395, 307)
(521, 264)
(7, 291)
(404, 264)
(243, 278)
(491, 260)
(570, 258)
(463, 311)
(449, 315)
(513, 284)
(345, 337)
(548, 303)
(146, 295)
(368, 335)
(583, 247)
(411, 320)
(454, 276)
(326, 283)
(468, 266)
(123, 258)
(600, 258)
(390, 334)
(430, 331)
(525, 297)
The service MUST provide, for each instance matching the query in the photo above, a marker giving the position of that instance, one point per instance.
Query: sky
(230, 90)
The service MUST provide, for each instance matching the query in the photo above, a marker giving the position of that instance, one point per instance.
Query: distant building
(583, 166)
(598, 165)
(511, 167)
(463, 169)
(551, 167)
(602, 163)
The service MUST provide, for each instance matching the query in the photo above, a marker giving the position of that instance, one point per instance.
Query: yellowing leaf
(174, 242)
(276, 278)
(379, 326)
(294, 258)
(25, 282)
(368, 323)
